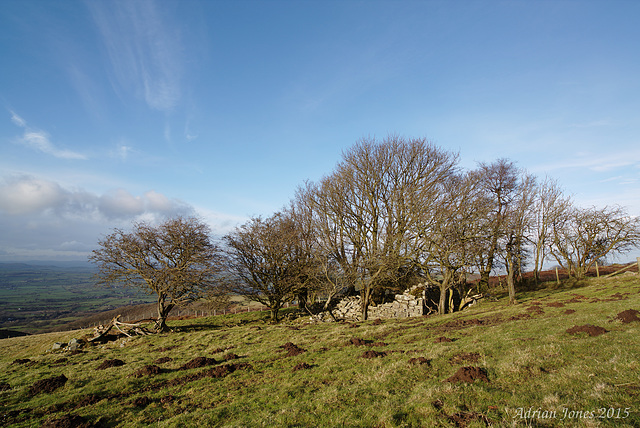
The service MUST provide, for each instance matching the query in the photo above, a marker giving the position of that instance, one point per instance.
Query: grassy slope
(530, 362)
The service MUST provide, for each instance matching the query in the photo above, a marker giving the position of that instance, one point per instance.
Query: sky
(119, 111)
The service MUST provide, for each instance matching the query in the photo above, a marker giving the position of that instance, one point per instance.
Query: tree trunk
(510, 282)
(274, 313)
(366, 299)
(444, 286)
(163, 314)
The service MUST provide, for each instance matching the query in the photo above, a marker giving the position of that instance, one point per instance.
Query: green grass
(532, 364)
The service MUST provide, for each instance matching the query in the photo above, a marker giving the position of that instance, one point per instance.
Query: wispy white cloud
(144, 52)
(40, 141)
(599, 162)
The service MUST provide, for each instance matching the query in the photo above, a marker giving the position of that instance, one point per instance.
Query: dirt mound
(149, 370)
(68, 421)
(48, 385)
(163, 360)
(373, 354)
(463, 419)
(87, 401)
(199, 362)
(535, 310)
(230, 356)
(555, 304)
(222, 371)
(569, 312)
(592, 330)
(357, 342)
(472, 357)
(377, 321)
(630, 315)
(110, 363)
(379, 344)
(519, 317)
(419, 361)
(469, 374)
(302, 366)
(442, 339)
(292, 350)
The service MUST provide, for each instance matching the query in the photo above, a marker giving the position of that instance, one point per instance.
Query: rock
(58, 345)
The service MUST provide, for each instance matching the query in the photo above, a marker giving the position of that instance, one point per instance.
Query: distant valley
(38, 298)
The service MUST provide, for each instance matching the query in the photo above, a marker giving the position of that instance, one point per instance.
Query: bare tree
(267, 262)
(500, 181)
(549, 205)
(447, 234)
(517, 218)
(583, 236)
(175, 260)
(366, 208)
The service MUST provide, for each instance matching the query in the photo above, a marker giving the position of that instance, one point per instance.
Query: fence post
(597, 270)
(557, 276)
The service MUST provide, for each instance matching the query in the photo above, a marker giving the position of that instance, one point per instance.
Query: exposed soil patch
(616, 297)
(535, 310)
(379, 344)
(163, 360)
(357, 341)
(230, 356)
(519, 317)
(463, 419)
(442, 339)
(150, 370)
(555, 304)
(469, 374)
(569, 312)
(419, 361)
(577, 298)
(472, 357)
(87, 401)
(48, 385)
(292, 350)
(302, 366)
(377, 321)
(592, 330)
(630, 315)
(373, 354)
(106, 364)
(68, 421)
(198, 362)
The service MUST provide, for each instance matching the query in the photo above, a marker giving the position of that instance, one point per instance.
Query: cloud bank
(42, 220)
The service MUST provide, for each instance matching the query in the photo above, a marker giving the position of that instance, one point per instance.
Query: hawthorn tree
(174, 260)
(584, 235)
(267, 261)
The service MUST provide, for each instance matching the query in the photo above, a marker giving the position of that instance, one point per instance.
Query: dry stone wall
(404, 305)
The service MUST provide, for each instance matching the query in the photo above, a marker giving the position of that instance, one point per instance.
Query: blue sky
(115, 111)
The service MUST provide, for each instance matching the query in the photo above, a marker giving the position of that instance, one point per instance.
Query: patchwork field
(37, 299)
(567, 356)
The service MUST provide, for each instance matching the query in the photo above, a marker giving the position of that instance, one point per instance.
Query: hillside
(491, 365)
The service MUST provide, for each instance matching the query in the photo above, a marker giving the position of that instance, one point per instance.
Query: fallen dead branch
(128, 329)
